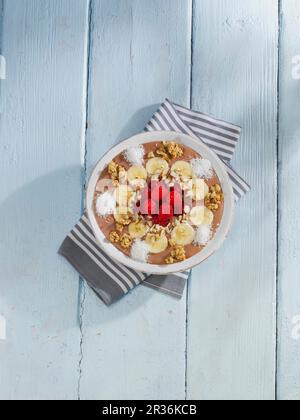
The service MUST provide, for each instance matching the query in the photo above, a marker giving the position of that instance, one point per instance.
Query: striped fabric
(111, 280)
(220, 136)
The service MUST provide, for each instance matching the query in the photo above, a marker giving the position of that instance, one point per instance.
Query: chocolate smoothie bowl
(160, 202)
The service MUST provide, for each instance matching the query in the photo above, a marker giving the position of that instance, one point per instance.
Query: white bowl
(206, 153)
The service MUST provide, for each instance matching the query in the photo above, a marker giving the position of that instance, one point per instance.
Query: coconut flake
(140, 251)
(202, 168)
(106, 204)
(135, 155)
(203, 235)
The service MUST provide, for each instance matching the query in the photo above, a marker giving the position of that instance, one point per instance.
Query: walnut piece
(126, 241)
(177, 255)
(169, 150)
(173, 149)
(117, 173)
(119, 227)
(123, 219)
(169, 260)
(214, 198)
(163, 153)
(114, 237)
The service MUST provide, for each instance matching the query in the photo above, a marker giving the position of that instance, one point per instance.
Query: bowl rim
(222, 232)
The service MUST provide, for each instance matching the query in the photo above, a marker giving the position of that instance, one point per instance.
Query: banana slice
(183, 234)
(137, 176)
(201, 215)
(182, 169)
(123, 216)
(137, 230)
(156, 243)
(123, 194)
(199, 189)
(157, 167)
(136, 172)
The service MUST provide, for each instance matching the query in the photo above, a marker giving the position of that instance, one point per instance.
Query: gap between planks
(85, 119)
(280, 20)
(193, 5)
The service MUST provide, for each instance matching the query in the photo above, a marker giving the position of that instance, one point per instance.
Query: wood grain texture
(232, 298)
(289, 203)
(140, 54)
(43, 42)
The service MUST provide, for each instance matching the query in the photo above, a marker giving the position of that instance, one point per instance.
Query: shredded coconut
(135, 155)
(202, 168)
(106, 204)
(203, 235)
(140, 251)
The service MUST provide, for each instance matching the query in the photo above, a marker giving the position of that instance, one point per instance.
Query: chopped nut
(171, 242)
(117, 172)
(151, 155)
(169, 150)
(119, 227)
(173, 149)
(125, 241)
(177, 255)
(218, 188)
(156, 229)
(123, 218)
(214, 198)
(169, 260)
(162, 152)
(113, 169)
(114, 237)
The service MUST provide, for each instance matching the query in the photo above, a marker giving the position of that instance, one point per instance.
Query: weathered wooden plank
(43, 42)
(231, 325)
(140, 55)
(289, 202)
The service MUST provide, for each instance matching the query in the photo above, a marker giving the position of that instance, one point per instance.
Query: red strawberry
(142, 205)
(149, 207)
(176, 201)
(166, 210)
(165, 215)
(159, 191)
(145, 193)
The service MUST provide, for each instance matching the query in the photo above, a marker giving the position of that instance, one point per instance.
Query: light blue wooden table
(80, 76)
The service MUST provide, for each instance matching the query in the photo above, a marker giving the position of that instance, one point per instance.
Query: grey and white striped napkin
(111, 280)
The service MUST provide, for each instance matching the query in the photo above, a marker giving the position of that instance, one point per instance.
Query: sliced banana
(123, 216)
(136, 172)
(123, 194)
(137, 176)
(183, 234)
(157, 243)
(199, 189)
(201, 215)
(182, 169)
(137, 230)
(157, 167)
